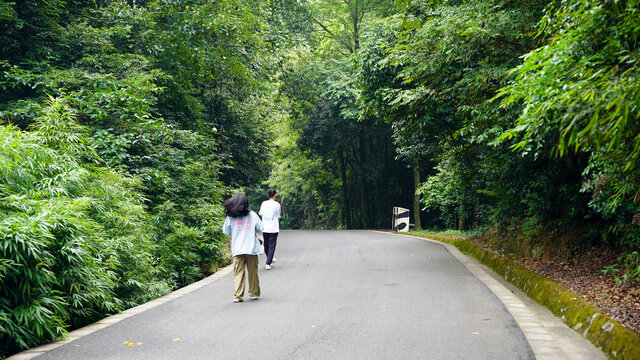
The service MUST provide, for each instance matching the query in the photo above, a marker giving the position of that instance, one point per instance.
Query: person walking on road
(270, 213)
(242, 224)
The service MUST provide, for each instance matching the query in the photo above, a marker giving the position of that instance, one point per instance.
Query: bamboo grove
(125, 123)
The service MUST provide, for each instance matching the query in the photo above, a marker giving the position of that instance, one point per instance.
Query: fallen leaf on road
(130, 344)
(139, 344)
(176, 339)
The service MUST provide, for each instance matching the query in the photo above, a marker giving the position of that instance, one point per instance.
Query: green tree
(580, 98)
(582, 87)
(430, 72)
(322, 100)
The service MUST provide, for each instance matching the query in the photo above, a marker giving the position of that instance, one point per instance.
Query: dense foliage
(555, 150)
(582, 86)
(523, 116)
(124, 124)
(76, 242)
(334, 168)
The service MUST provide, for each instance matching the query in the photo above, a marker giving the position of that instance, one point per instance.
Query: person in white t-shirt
(270, 213)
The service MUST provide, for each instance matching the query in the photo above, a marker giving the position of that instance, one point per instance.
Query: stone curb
(116, 318)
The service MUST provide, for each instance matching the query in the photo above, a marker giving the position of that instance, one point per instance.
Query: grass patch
(450, 232)
(605, 333)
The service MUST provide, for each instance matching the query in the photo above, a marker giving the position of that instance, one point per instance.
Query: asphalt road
(330, 295)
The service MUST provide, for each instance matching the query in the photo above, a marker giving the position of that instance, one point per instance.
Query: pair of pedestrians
(243, 225)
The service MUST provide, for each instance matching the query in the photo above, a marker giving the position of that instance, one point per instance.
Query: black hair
(237, 205)
(271, 193)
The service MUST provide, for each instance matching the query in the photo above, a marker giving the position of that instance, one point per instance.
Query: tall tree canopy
(321, 93)
(124, 124)
(517, 116)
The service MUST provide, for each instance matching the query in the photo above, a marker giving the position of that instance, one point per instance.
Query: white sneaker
(268, 267)
(273, 260)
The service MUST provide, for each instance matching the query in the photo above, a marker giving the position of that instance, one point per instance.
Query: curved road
(330, 295)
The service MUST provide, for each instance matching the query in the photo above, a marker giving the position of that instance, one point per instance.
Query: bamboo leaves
(584, 83)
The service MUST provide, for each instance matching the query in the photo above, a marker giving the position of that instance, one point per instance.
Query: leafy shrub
(48, 274)
(75, 238)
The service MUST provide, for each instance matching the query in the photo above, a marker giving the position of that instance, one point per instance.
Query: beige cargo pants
(239, 263)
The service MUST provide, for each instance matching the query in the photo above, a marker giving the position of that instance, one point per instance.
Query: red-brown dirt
(582, 274)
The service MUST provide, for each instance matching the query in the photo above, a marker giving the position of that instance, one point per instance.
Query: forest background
(124, 124)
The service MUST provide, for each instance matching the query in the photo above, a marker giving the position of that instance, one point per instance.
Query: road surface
(330, 295)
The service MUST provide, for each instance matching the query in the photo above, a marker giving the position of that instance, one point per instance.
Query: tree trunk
(364, 198)
(346, 212)
(356, 35)
(416, 196)
(476, 211)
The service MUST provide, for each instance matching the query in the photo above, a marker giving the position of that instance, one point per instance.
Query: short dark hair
(271, 193)
(237, 205)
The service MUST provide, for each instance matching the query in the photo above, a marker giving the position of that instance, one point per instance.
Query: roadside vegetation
(124, 124)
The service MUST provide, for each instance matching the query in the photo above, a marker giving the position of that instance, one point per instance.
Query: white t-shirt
(270, 212)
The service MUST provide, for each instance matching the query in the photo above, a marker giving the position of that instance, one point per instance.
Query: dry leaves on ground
(582, 274)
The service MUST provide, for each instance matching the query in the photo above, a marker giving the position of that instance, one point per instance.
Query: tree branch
(324, 27)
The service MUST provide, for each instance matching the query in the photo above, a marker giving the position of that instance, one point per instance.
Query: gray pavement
(336, 295)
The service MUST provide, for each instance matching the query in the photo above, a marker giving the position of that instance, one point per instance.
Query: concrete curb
(116, 318)
(548, 336)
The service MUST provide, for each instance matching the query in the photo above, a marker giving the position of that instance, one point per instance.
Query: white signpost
(400, 220)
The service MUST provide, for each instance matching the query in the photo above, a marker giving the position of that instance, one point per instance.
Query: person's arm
(226, 228)
(259, 224)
